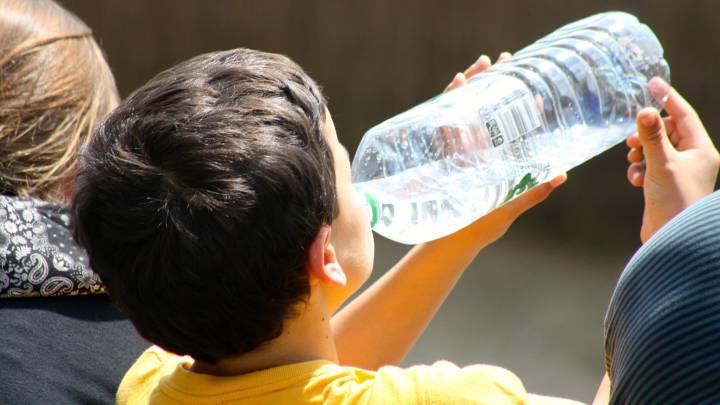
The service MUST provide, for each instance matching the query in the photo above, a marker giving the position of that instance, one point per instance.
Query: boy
(216, 205)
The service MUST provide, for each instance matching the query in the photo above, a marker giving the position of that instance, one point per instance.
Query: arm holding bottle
(397, 308)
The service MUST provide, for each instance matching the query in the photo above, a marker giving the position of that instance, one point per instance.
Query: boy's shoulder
(144, 377)
(160, 377)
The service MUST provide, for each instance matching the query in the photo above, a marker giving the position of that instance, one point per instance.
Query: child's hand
(482, 63)
(492, 226)
(672, 159)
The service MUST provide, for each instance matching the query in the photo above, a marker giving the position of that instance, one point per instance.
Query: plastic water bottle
(569, 96)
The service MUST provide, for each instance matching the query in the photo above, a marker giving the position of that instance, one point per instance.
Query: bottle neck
(371, 205)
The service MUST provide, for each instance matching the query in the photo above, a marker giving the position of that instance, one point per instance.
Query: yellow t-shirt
(158, 377)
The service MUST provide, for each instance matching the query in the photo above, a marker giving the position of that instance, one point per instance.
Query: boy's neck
(305, 338)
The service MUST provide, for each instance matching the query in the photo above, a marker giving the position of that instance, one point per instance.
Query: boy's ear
(322, 262)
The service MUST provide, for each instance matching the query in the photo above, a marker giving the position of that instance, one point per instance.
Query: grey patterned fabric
(38, 256)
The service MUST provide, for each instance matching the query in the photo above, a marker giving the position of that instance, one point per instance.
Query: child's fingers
(636, 174)
(503, 56)
(635, 156)
(482, 63)
(532, 197)
(457, 81)
(558, 180)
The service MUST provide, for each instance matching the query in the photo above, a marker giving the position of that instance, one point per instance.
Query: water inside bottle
(419, 204)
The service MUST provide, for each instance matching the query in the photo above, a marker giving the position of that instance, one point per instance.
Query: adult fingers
(653, 137)
(671, 129)
(633, 141)
(636, 174)
(635, 155)
(675, 105)
(690, 130)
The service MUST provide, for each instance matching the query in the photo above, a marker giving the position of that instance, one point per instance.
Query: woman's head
(55, 86)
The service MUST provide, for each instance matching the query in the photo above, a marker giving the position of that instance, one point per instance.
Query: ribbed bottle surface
(555, 104)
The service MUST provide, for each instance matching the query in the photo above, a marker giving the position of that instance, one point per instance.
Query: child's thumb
(651, 131)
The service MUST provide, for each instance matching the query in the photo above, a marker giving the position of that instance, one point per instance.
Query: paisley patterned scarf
(38, 256)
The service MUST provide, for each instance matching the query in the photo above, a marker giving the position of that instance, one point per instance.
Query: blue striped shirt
(662, 329)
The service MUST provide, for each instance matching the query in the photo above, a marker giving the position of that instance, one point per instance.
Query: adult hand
(673, 159)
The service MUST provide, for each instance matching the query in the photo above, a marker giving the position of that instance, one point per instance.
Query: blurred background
(534, 301)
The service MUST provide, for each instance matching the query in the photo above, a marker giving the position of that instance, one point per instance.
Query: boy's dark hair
(198, 196)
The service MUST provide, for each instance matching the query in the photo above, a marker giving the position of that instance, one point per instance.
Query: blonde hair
(55, 87)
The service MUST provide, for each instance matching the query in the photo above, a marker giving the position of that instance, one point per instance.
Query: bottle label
(509, 124)
(525, 184)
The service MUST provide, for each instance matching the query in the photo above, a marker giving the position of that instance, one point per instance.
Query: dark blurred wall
(536, 298)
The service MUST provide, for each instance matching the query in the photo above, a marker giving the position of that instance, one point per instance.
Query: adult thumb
(653, 137)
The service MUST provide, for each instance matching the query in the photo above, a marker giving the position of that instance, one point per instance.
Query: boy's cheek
(361, 208)
(358, 268)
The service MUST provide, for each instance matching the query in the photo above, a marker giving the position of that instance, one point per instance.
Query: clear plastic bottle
(569, 96)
